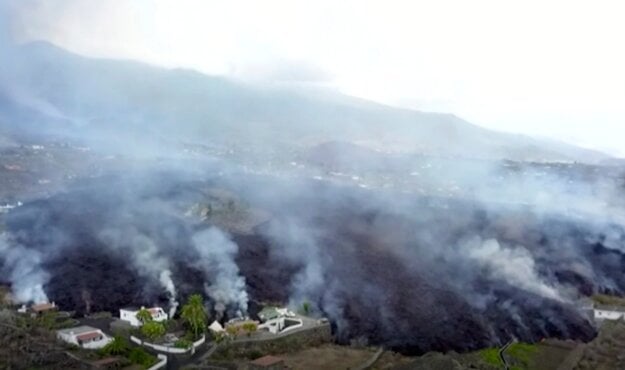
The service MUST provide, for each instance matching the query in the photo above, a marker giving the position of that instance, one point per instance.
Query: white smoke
(24, 268)
(298, 244)
(216, 254)
(168, 284)
(146, 257)
(513, 265)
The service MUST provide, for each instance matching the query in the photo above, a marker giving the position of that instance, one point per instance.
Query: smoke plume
(224, 285)
(23, 266)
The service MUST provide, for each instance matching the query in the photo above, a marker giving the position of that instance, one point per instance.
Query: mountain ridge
(118, 96)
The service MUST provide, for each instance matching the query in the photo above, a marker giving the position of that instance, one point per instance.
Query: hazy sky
(548, 68)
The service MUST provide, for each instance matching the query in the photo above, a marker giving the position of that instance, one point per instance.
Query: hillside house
(38, 309)
(606, 312)
(42, 308)
(130, 315)
(269, 313)
(276, 320)
(281, 324)
(85, 337)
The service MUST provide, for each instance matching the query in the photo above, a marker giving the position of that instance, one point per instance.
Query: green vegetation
(183, 343)
(144, 316)
(194, 314)
(306, 308)
(608, 300)
(232, 330)
(117, 347)
(491, 356)
(520, 355)
(249, 327)
(153, 330)
(140, 357)
(220, 337)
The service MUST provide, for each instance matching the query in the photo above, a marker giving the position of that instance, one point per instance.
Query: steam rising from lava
(216, 259)
(24, 270)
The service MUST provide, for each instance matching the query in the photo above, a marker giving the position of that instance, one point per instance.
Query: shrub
(183, 343)
(306, 308)
(140, 357)
(118, 346)
(153, 329)
(249, 327)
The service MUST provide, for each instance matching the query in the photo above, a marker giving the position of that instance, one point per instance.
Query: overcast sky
(546, 68)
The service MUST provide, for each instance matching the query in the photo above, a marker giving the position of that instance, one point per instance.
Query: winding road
(501, 354)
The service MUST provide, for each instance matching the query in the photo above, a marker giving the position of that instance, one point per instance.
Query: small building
(281, 324)
(84, 336)
(38, 308)
(130, 315)
(270, 313)
(267, 363)
(216, 327)
(606, 312)
(41, 308)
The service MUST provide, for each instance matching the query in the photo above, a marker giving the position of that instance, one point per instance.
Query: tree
(306, 308)
(118, 346)
(153, 329)
(144, 316)
(249, 327)
(194, 315)
(233, 330)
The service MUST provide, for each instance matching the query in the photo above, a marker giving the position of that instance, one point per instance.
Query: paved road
(501, 354)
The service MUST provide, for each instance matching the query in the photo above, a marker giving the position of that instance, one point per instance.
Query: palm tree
(194, 315)
(144, 316)
(118, 346)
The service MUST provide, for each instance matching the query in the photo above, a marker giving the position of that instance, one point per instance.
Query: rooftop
(605, 307)
(89, 336)
(79, 330)
(153, 310)
(43, 307)
(268, 313)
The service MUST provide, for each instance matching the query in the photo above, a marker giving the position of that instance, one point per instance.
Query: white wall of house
(131, 315)
(72, 338)
(98, 343)
(277, 325)
(608, 314)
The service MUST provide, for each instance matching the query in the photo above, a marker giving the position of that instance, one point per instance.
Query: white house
(269, 313)
(281, 324)
(602, 312)
(130, 315)
(84, 336)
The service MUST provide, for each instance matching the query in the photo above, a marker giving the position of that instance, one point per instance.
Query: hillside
(105, 98)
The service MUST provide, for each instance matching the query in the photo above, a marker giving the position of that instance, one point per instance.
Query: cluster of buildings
(89, 337)
(272, 320)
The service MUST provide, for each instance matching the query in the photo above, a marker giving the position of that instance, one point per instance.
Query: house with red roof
(84, 336)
